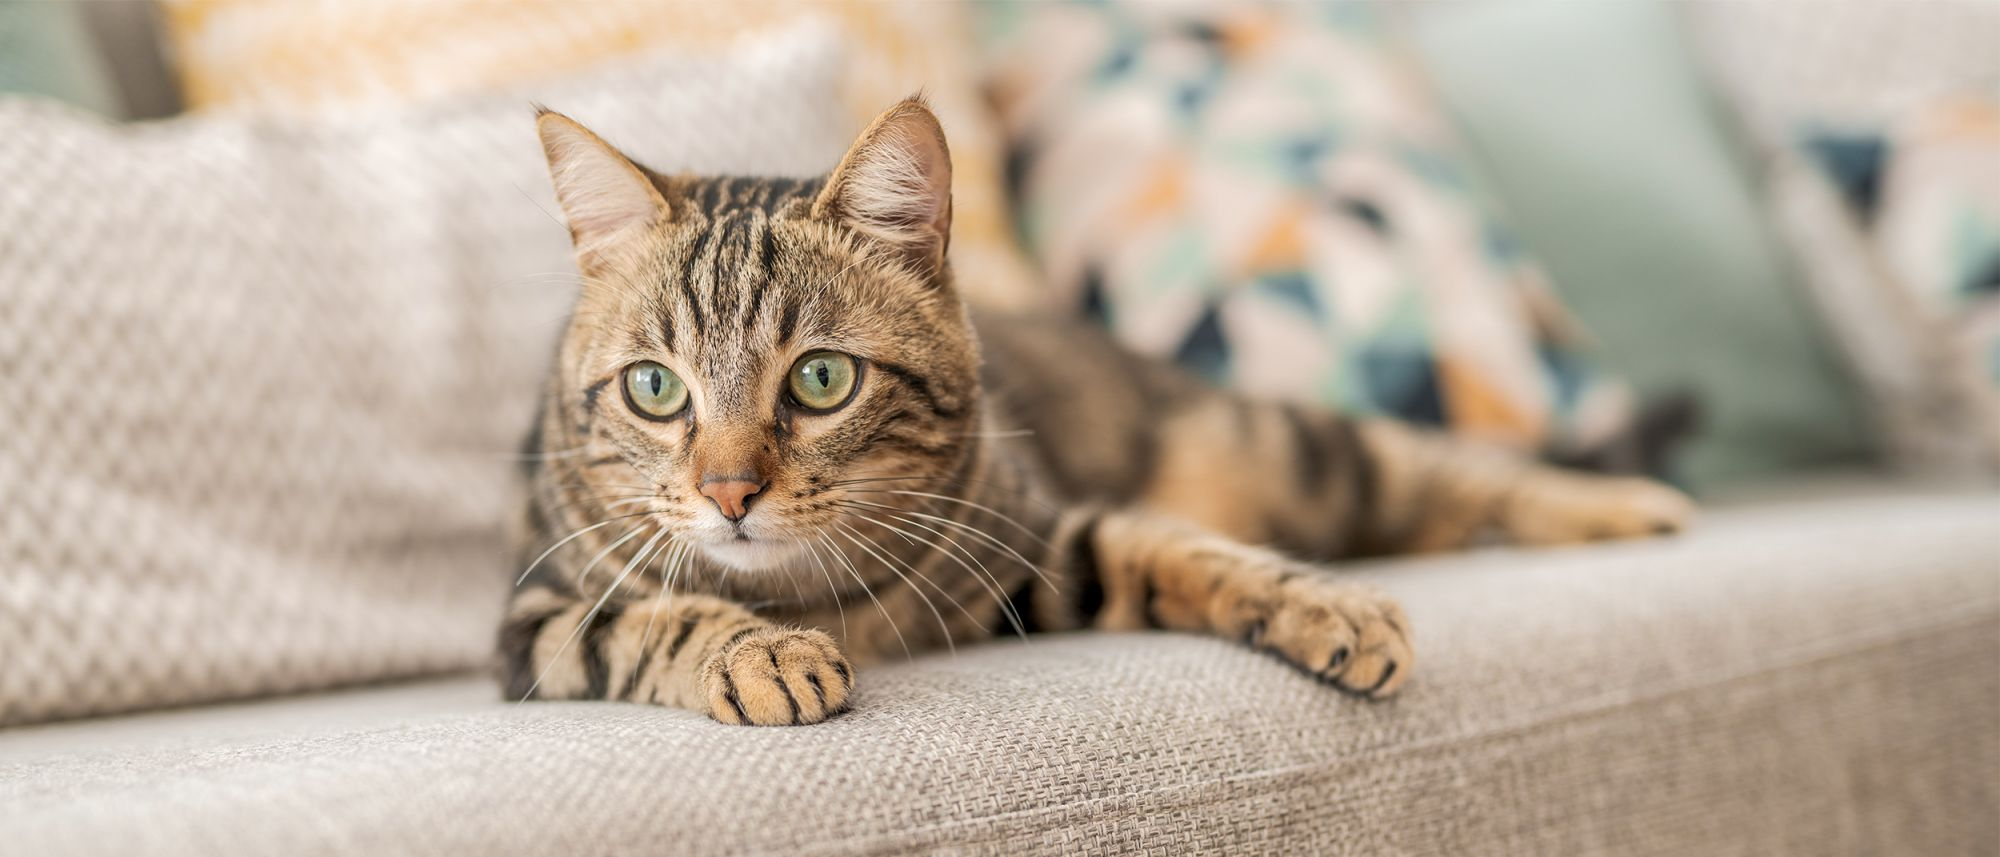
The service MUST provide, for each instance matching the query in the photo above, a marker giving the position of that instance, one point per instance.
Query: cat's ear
(606, 198)
(894, 185)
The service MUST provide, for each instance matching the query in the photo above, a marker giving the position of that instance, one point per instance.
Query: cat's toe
(1378, 672)
(778, 677)
(1350, 635)
(1656, 509)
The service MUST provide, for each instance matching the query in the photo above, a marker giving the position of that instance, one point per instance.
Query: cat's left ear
(894, 186)
(607, 199)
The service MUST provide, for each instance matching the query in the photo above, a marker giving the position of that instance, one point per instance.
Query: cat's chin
(757, 555)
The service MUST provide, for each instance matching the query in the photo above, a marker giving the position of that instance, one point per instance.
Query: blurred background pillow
(265, 377)
(1267, 194)
(320, 59)
(1877, 136)
(1593, 122)
(47, 49)
(1937, 220)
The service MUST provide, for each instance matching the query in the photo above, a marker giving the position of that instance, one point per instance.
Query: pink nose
(732, 496)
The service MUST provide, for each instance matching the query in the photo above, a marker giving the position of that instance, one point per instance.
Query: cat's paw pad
(1352, 636)
(1570, 510)
(777, 677)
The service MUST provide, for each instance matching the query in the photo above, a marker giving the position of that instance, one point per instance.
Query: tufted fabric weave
(1811, 678)
(264, 380)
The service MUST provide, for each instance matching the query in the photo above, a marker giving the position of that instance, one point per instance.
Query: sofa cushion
(1268, 194)
(264, 381)
(1813, 677)
(1647, 223)
(45, 49)
(321, 58)
(1876, 131)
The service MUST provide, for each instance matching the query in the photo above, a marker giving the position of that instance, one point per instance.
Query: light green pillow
(46, 50)
(1593, 127)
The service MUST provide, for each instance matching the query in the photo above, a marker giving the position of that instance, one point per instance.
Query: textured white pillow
(263, 382)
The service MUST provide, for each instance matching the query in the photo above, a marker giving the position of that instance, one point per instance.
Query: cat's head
(744, 351)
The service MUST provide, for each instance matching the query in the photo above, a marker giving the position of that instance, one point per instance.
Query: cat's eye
(823, 380)
(654, 390)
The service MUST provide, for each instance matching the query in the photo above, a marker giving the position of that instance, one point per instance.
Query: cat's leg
(1432, 492)
(1126, 571)
(691, 651)
(1323, 485)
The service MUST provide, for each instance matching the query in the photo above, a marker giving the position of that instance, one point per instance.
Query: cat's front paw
(777, 677)
(1350, 635)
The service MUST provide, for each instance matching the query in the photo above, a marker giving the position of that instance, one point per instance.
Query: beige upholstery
(1807, 677)
(263, 382)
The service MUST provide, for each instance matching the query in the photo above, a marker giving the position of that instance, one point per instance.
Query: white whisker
(982, 574)
(968, 528)
(850, 533)
(566, 540)
(629, 534)
(918, 541)
(987, 509)
(838, 602)
(591, 614)
(667, 554)
(828, 541)
(540, 456)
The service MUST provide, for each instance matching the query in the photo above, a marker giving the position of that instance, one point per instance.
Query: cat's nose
(731, 494)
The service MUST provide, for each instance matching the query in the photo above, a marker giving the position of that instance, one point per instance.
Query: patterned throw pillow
(1267, 193)
(1878, 128)
(316, 59)
(264, 381)
(1937, 219)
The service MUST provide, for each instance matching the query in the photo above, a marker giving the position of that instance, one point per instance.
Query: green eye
(654, 390)
(823, 380)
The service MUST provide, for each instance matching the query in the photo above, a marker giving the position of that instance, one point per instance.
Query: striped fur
(1032, 477)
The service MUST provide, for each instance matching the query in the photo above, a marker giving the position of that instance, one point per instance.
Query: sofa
(197, 657)
(1810, 670)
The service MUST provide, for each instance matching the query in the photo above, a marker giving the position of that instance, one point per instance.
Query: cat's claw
(777, 677)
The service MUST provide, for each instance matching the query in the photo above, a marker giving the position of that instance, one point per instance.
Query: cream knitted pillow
(264, 381)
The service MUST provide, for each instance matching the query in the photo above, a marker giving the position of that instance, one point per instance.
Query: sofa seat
(1798, 676)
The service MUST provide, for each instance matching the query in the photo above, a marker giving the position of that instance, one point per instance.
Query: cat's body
(774, 446)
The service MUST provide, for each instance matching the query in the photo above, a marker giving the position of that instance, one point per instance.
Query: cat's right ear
(894, 186)
(607, 199)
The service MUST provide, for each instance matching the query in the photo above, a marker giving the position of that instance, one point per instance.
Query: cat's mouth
(743, 553)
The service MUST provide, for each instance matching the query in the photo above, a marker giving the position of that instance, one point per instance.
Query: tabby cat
(773, 447)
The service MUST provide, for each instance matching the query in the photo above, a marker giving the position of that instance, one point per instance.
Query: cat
(776, 444)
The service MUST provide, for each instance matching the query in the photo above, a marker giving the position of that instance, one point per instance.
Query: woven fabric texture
(264, 380)
(1811, 678)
